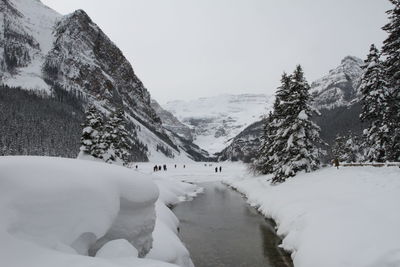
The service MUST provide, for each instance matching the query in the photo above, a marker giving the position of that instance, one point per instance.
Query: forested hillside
(39, 125)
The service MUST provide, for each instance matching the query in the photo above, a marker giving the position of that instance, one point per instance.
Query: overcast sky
(184, 49)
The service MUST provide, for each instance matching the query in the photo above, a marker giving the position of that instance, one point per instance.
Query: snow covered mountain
(216, 120)
(336, 95)
(340, 86)
(54, 55)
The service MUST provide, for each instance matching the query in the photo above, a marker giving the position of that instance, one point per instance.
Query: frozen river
(220, 229)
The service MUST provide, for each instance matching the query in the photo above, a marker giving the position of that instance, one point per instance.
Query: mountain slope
(172, 123)
(59, 55)
(180, 133)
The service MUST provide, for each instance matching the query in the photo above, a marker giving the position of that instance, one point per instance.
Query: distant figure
(220, 169)
(205, 164)
(155, 168)
(336, 162)
(184, 166)
(216, 169)
(165, 167)
(159, 168)
(175, 166)
(136, 167)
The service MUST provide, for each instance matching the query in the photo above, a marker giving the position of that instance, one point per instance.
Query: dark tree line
(31, 124)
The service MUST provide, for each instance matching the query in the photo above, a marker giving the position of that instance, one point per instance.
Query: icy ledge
(55, 211)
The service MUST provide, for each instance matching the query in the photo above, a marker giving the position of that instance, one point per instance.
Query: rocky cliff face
(170, 122)
(52, 54)
(340, 86)
(336, 95)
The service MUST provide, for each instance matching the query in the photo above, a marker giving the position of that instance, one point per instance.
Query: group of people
(163, 167)
(216, 168)
(159, 167)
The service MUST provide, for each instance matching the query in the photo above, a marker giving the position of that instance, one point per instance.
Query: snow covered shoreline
(332, 218)
(56, 211)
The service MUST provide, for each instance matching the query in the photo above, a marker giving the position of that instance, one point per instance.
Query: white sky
(184, 49)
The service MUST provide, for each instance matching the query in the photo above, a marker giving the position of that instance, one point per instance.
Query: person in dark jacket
(336, 162)
(216, 169)
(165, 167)
(220, 168)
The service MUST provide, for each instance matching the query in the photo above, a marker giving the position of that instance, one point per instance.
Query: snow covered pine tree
(339, 148)
(291, 137)
(391, 52)
(118, 143)
(354, 148)
(301, 134)
(375, 96)
(271, 146)
(91, 134)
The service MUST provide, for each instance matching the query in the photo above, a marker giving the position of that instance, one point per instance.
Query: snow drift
(55, 211)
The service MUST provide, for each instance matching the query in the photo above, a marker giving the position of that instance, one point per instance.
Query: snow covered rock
(55, 209)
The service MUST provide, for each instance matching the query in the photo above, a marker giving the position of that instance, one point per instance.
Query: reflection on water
(221, 230)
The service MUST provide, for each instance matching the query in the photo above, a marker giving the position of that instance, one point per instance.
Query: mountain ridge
(69, 55)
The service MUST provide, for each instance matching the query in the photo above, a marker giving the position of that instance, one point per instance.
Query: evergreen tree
(375, 107)
(117, 140)
(353, 149)
(91, 133)
(296, 135)
(268, 154)
(264, 164)
(339, 148)
(391, 51)
(107, 142)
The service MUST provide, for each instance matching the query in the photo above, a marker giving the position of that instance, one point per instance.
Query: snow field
(333, 218)
(56, 211)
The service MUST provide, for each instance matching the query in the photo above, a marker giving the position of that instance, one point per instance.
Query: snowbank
(55, 211)
(333, 218)
(167, 246)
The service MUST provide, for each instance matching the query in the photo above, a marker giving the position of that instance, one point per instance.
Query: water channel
(221, 230)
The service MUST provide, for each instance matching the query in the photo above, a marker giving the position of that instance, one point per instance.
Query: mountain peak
(352, 60)
(339, 86)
